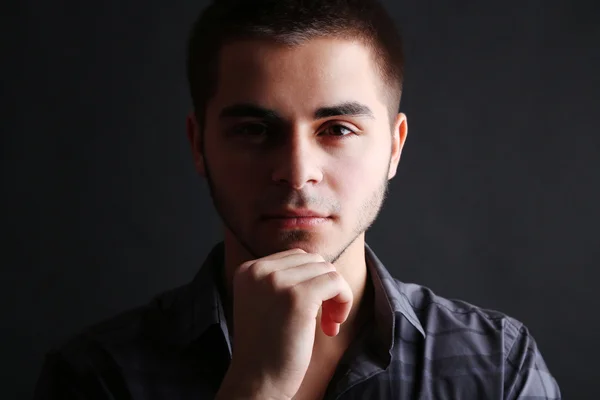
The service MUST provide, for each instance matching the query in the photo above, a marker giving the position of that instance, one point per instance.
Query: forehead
(300, 78)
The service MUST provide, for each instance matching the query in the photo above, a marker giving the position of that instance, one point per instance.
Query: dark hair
(292, 22)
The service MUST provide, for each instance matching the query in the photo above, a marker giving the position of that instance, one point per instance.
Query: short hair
(292, 22)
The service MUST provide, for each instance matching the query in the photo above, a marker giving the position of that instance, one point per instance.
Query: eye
(250, 129)
(341, 131)
(254, 131)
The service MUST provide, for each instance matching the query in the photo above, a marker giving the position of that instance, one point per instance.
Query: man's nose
(297, 162)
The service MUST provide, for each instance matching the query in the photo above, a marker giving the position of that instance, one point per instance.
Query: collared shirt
(416, 346)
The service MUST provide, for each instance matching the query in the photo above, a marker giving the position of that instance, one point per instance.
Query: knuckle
(273, 280)
(242, 270)
(318, 258)
(333, 275)
(255, 270)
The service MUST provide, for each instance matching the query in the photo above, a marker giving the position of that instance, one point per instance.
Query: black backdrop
(496, 199)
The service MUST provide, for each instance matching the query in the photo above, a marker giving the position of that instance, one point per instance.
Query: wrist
(236, 386)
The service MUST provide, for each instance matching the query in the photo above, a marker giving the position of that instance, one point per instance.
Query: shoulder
(123, 337)
(97, 359)
(463, 336)
(441, 315)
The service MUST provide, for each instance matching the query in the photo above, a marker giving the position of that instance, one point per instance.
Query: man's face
(292, 130)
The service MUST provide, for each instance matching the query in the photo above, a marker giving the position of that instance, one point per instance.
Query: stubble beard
(368, 213)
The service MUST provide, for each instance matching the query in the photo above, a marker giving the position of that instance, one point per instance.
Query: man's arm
(60, 379)
(525, 372)
(57, 380)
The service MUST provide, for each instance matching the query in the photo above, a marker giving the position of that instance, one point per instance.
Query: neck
(351, 265)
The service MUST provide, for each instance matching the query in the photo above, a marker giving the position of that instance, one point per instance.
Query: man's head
(296, 107)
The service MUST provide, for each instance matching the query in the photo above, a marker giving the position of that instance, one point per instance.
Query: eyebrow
(349, 108)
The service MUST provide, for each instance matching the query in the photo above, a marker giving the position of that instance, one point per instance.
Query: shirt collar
(207, 292)
(390, 300)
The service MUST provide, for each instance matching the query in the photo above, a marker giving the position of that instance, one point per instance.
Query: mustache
(298, 199)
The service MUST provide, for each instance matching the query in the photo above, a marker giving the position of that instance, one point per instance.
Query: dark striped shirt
(416, 346)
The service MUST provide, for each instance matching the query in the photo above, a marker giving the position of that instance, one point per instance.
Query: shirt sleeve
(61, 379)
(526, 375)
(57, 381)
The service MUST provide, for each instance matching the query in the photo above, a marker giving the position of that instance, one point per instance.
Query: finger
(329, 286)
(335, 311)
(288, 277)
(328, 326)
(262, 268)
(281, 254)
(274, 256)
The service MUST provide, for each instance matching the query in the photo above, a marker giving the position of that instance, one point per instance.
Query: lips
(298, 213)
(296, 219)
(307, 220)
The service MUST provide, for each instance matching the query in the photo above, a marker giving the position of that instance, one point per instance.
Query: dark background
(495, 202)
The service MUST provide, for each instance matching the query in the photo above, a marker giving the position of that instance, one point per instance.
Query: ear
(193, 134)
(398, 139)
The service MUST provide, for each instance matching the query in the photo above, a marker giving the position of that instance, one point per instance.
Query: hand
(276, 302)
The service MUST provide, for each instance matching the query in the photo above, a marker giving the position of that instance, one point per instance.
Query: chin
(288, 242)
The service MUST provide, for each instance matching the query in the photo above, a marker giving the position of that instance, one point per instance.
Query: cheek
(236, 177)
(354, 178)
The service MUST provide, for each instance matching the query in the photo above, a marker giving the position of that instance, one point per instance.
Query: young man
(297, 132)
